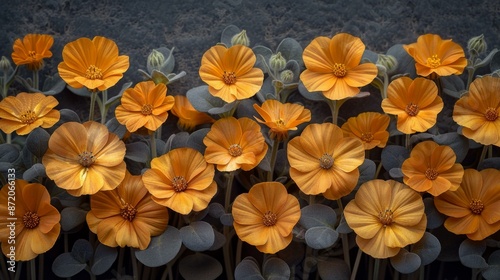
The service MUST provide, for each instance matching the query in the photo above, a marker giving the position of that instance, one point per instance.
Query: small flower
(27, 111)
(32, 50)
(36, 220)
(370, 128)
(265, 216)
(240, 39)
(188, 116)
(415, 102)
(386, 216)
(473, 208)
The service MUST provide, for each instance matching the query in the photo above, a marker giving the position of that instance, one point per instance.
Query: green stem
(152, 138)
(32, 269)
(470, 76)
(483, 153)
(121, 254)
(5, 87)
(384, 86)
(356, 264)
(9, 138)
(376, 269)
(18, 271)
(36, 80)
(274, 152)
(335, 108)
(345, 240)
(134, 264)
(92, 276)
(93, 96)
(407, 142)
(226, 249)
(239, 246)
(104, 110)
(41, 263)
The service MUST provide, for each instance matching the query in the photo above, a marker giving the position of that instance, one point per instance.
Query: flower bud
(5, 65)
(156, 59)
(477, 45)
(277, 62)
(388, 61)
(286, 76)
(241, 39)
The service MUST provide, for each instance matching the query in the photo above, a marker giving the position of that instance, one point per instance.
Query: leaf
(290, 49)
(470, 253)
(202, 100)
(36, 170)
(227, 219)
(248, 269)
(115, 98)
(321, 237)
(162, 248)
(452, 85)
(195, 139)
(458, 143)
(216, 210)
(492, 272)
(199, 266)
(406, 64)
(68, 115)
(65, 266)
(393, 156)
(493, 162)
(313, 96)
(8, 153)
(427, 248)
(137, 151)
(53, 85)
(79, 91)
(219, 241)
(115, 127)
(223, 109)
(198, 236)
(406, 262)
(316, 215)
(494, 58)
(38, 142)
(334, 269)
(82, 250)
(228, 33)
(343, 227)
(366, 171)
(71, 217)
(434, 218)
(275, 268)
(103, 259)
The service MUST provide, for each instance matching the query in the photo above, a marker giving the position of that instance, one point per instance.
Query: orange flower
(235, 143)
(386, 216)
(188, 116)
(230, 72)
(32, 50)
(126, 216)
(370, 128)
(478, 111)
(265, 216)
(323, 161)
(415, 102)
(85, 158)
(181, 180)
(431, 168)
(333, 66)
(435, 55)
(473, 208)
(94, 64)
(27, 111)
(34, 220)
(144, 105)
(281, 118)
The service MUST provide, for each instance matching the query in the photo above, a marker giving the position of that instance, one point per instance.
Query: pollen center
(433, 61)
(339, 69)
(229, 77)
(31, 220)
(476, 206)
(28, 117)
(32, 54)
(86, 159)
(147, 109)
(280, 123)
(431, 174)
(491, 114)
(269, 219)
(326, 161)
(128, 212)
(411, 109)
(93, 73)
(385, 217)
(367, 137)
(235, 150)
(179, 183)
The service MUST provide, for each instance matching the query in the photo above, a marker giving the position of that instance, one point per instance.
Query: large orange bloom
(415, 102)
(230, 72)
(265, 216)
(235, 143)
(333, 66)
(27, 111)
(323, 161)
(32, 50)
(35, 220)
(478, 111)
(473, 208)
(94, 64)
(370, 128)
(188, 116)
(435, 55)
(386, 216)
(126, 216)
(85, 158)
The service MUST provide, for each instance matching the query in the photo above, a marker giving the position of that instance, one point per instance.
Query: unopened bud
(388, 61)
(286, 76)
(5, 65)
(156, 59)
(241, 39)
(277, 62)
(477, 45)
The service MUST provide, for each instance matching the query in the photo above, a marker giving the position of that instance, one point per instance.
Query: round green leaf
(492, 272)
(406, 64)
(198, 236)
(227, 219)
(219, 241)
(162, 248)
(471, 253)
(434, 218)
(393, 156)
(316, 215)
(38, 142)
(276, 269)
(115, 127)
(366, 171)
(195, 139)
(248, 269)
(334, 269)
(202, 100)
(313, 96)
(36, 170)
(321, 237)
(71, 217)
(427, 248)
(406, 262)
(290, 49)
(228, 33)
(343, 227)
(137, 151)
(199, 266)
(494, 258)
(82, 250)
(493, 162)
(216, 210)
(103, 259)
(65, 266)
(68, 115)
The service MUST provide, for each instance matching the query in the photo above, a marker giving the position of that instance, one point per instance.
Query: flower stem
(134, 264)
(104, 110)
(376, 269)
(152, 138)
(36, 79)
(274, 152)
(5, 87)
(93, 96)
(32, 269)
(226, 249)
(484, 151)
(121, 253)
(335, 108)
(345, 241)
(356, 264)
(9, 138)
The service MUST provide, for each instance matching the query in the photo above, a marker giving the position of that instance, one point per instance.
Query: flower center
(28, 117)
(235, 150)
(280, 123)
(128, 212)
(476, 206)
(367, 137)
(411, 109)
(93, 73)
(433, 61)
(491, 114)
(86, 159)
(326, 161)
(431, 173)
(385, 217)
(32, 54)
(269, 219)
(147, 109)
(229, 77)
(339, 70)
(31, 220)
(179, 183)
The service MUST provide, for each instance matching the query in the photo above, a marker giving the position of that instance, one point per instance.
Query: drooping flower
(281, 118)
(94, 64)
(188, 116)
(478, 111)
(415, 103)
(34, 220)
(127, 215)
(333, 66)
(265, 216)
(370, 128)
(144, 105)
(323, 161)
(31, 50)
(27, 111)
(181, 180)
(85, 158)
(235, 143)
(473, 208)
(230, 72)
(386, 216)
(435, 55)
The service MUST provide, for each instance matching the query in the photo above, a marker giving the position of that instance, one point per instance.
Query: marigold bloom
(235, 143)
(370, 128)
(230, 72)
(415, 102)
(27, 111)
(181, 180)
(188, 116)
(36, 220)
(478, 111)
(85, 158)
(265, 216)
(94, 64)
(281, 118)
(386, 216)
(32, 50)
(126, 216)
(333, 66)
(473, 208)
(323, 161)
(435, 55)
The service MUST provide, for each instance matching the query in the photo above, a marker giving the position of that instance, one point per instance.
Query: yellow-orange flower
(85, 158)
(235, 143)
(431, 168)
(188, 116)
(94, 64)
(415, 103)
(280, 118)
(478, 111)
(323, 161)
(333, 66)
(32, 50)
(126, 216)
(265, 216)
(370, 128)
(386, 216)
(144, 105)
(27, 111)
(230, 72)
(30, 221)
(435, 55)
(181, 180)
